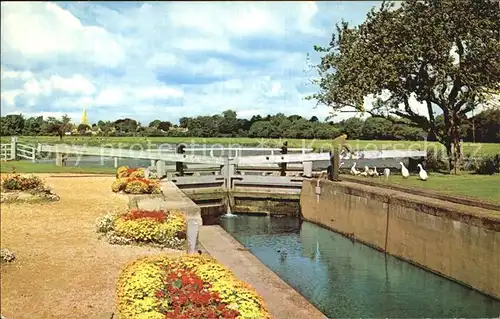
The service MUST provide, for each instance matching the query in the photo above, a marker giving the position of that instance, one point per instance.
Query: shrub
(125, 171)
(16, 182)
(436, 159)
(185, 287)
(141, 226)
(136, 185)
(488, 165)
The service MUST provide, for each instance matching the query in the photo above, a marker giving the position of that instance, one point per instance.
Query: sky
(164, 60)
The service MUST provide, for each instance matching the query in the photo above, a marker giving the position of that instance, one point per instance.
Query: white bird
(422, 173)
(375, 172)
(387, 172)
(341, 163)
(354, 171)
(404, 170)
(365, 173)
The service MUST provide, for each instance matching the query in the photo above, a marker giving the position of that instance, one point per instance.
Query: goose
(404, 170)
(422, 173)
(387, 172)
(365, 173)
(340, 165)
(354, 171)
(375, 172)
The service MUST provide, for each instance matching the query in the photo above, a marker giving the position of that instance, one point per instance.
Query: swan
(354, 171)
(422, 173)
(387, 172)
(404, 170)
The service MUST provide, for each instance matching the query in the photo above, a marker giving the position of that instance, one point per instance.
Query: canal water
(345, 279)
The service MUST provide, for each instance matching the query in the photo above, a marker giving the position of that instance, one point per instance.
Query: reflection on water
(346, 279)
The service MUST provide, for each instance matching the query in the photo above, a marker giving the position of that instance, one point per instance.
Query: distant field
(31, 168)
(474, 149)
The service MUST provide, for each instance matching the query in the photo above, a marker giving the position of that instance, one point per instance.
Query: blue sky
(164, 60)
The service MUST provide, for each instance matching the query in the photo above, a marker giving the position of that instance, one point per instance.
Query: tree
(487, 126)
(56, 126)
(164, 125)
(12, 124)
(228, 124)
(83, 128)
(154, 124)
(376, 128)
(443, 54)
(126, 125)
(33, 126)
(314, 119)
(353, 127)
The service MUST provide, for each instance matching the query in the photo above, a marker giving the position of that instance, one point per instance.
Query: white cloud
(39, 30)
(162, 59)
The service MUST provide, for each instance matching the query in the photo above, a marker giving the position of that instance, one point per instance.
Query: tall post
(335, 163)
(307, 169)
(179, 166)
(59, 159)
(116, 161)
(284, 150)
(13, 148)
(160, 168)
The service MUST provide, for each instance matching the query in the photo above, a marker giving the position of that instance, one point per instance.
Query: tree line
(483, 127)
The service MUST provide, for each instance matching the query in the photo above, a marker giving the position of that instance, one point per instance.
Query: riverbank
(474, 149)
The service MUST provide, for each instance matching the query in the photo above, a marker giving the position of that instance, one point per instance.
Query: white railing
(5, 150)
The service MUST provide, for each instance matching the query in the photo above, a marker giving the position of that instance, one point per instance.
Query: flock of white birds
(368, 172)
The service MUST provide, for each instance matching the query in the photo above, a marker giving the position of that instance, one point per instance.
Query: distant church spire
(85, 119)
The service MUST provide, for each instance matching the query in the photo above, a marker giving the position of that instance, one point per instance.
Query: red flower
(160, 216)
(188, 297)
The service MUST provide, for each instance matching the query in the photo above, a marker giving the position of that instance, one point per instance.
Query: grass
(29, 167)
(474, 149)
(484, 187)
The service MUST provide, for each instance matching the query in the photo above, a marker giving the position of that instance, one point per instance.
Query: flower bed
(167, 229)
(16, 187)
(189, 286)
(133, 181)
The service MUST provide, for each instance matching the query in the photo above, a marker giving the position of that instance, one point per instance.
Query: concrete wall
(457, 241)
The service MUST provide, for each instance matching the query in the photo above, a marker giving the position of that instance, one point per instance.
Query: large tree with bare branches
(443, 53)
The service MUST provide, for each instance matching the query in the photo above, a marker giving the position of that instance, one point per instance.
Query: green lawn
(485, 187)
(474, 149)
(29, 167)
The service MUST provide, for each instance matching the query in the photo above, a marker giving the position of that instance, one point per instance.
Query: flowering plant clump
(132, 181)
(189, 286)
(29, 185)
(167, 229)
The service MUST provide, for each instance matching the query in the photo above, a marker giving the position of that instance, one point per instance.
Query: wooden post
(335, 162)
(33, 155)
(13, 148)
(284, 150)
(116, 161)
(160, 169)
(179, 166)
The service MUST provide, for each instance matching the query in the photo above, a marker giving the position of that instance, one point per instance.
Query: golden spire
(85, 119)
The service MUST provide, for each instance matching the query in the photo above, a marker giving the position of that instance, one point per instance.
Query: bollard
(193, 226)
(284, 150)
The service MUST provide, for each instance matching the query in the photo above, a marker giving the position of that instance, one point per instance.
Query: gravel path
(61, 269)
